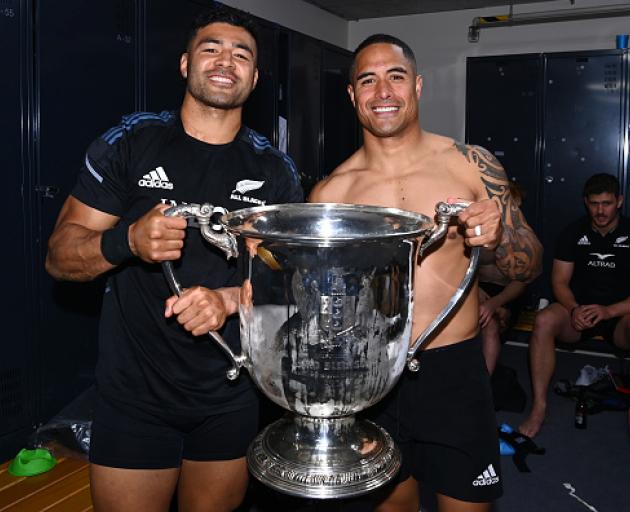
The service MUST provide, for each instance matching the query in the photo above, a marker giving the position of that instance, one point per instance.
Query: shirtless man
(447, 429)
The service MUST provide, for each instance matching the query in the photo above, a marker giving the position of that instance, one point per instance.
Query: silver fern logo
(243, 187)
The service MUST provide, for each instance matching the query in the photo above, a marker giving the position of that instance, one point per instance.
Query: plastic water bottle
(581, 411)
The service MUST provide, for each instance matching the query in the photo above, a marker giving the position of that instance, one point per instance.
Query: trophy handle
(444, 213)
(218, 236)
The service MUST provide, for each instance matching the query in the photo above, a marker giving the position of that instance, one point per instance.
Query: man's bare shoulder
(476, 156)
(336, 186)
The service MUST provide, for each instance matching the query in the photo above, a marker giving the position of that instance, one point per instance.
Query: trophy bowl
(326, 312)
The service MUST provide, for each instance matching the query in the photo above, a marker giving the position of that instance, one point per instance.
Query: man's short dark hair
(383, 39)
(600, 184)
(222, 14)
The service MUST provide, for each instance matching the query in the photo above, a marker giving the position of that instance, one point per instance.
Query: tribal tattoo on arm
(519, 254)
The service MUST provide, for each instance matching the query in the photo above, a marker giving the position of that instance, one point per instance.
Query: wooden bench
(65, 488)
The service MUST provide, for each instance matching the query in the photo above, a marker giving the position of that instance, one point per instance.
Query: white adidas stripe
(161, 173)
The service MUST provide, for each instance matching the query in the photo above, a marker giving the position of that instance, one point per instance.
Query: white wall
(440, 42)
(299, 16)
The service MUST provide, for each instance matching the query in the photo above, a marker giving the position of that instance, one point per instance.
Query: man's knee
(548, 322)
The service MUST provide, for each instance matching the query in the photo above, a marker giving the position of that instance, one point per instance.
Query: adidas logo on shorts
(488, 477)
(157, 178)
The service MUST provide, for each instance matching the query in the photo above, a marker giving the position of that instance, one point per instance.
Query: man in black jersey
(167, 418)
(591, 282)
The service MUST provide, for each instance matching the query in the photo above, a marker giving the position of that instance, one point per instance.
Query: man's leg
(551, 323)
(404, 498)
(448, 504)
(214, 486)
(621, 334)
(491, 344)
(132, 490)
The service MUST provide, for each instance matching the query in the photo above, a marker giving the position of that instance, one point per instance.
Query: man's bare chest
(418, 192)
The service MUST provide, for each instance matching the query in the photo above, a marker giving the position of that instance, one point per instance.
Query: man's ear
(183, 65)
(351, 94)
(619, 201)
(255, 81)
(418, 86)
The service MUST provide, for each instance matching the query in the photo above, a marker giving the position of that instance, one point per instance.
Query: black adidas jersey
(601, 272)
(145, 359)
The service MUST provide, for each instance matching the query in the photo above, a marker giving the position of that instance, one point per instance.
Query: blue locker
(17, 364)
(85, 57)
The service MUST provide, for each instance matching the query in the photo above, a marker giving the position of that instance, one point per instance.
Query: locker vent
(611, 77)
(11, 394)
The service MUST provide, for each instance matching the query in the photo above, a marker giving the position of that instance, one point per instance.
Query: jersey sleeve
(101, 183)
(288, 187)
(565, 245)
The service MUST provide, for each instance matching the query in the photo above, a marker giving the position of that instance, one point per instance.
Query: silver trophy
(326, 315)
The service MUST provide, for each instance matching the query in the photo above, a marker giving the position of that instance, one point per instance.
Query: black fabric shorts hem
(605, 329)
(443, 420)
(135, 439)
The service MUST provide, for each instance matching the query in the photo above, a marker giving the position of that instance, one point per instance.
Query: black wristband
(115, 244)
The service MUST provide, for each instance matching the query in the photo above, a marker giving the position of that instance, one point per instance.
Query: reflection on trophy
(325, 314)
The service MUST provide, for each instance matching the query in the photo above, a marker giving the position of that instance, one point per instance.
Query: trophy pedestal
(323, 457)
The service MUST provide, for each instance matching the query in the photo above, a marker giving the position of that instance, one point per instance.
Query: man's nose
(225, 58)
(383, 89)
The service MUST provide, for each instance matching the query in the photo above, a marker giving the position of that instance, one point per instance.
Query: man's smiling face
(220, 66)
(385, 90)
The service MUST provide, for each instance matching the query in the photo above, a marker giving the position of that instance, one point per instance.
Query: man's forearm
(230, 298)
(519, 255)
(74, 254)
(619, 308)
(564, 296)
(512, 291)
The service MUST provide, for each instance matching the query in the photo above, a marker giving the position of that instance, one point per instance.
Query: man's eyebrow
(242, 46)
(245, 47)
(390, 70)
(363, 75)
(209, 40)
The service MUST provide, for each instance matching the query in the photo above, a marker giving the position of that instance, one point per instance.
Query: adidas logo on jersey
(488, 477)
(584, 241)
(157, 178)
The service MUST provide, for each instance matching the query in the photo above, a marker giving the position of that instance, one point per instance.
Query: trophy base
(323, 458)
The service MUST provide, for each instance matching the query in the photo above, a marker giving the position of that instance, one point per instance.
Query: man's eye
(242, 56)
(367, 81)
(210, 50)
(397, 77)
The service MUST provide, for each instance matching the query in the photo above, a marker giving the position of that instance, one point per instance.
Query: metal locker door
(583, 132)
(305, 57)
(16, 371)
(85, 84)
(502, 114)
(166, 31)
(340, 133)
(260, 112)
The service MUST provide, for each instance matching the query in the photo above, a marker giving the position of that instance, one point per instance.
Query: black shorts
(135, 439)
(605, 329)
(442, 419)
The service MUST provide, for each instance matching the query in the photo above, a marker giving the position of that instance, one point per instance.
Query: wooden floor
(65, 488)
